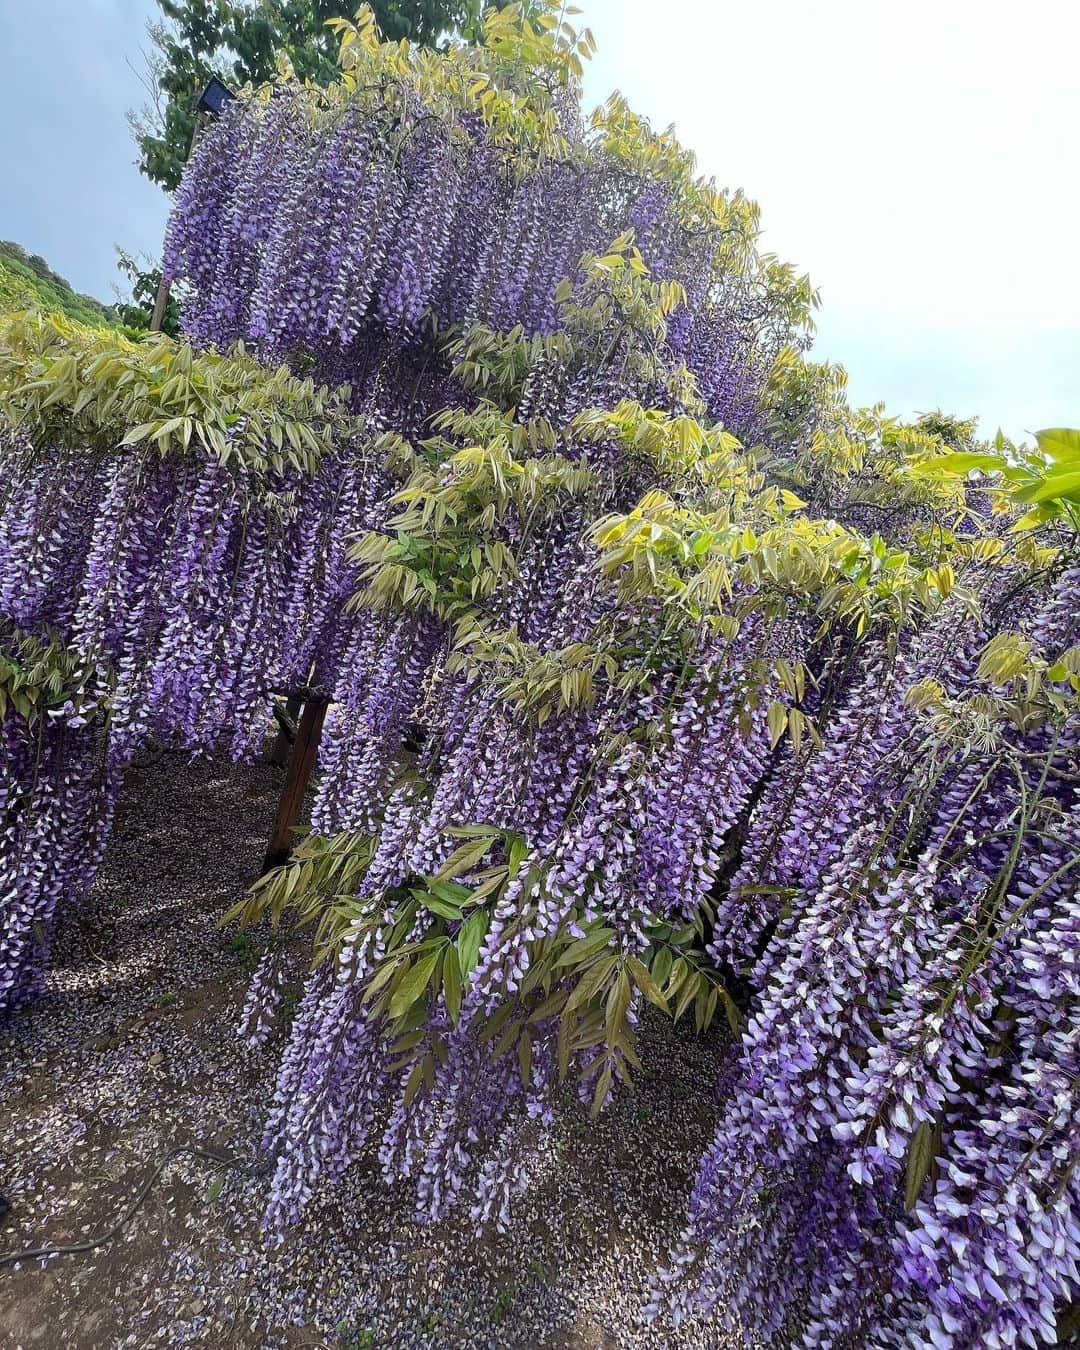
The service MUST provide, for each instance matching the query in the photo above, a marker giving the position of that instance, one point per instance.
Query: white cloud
(919, 161)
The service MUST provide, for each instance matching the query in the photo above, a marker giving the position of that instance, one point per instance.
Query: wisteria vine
(658, 677)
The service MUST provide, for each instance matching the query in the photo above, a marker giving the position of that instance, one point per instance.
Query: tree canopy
(240, 42)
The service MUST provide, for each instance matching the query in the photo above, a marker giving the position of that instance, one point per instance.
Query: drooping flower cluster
(914, 1033)
(160, 571)
(456, 191)
(566, 621)
(56, 800)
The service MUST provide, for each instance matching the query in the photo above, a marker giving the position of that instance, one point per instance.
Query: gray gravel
(134, 1050)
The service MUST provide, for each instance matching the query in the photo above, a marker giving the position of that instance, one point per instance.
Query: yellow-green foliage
(39, 672)
(720, 536)
(64, 384)
(28, 283)
(1044, 478)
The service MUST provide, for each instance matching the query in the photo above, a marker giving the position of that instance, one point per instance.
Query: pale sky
(919, 161)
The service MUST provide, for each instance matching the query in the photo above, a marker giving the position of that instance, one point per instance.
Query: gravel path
(134, 1051)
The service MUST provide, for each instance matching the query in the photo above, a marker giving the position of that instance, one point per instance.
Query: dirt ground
(134, 1051)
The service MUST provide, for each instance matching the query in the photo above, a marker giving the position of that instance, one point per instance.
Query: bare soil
(134, 1051)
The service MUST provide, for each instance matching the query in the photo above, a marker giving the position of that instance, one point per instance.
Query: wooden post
(157, 318)
(279, 755)
(160, 301)
(301, 762)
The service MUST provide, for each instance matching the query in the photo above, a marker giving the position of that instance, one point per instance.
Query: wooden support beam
(157, 318)
(160, 301)
(301, 762)
(287, 727)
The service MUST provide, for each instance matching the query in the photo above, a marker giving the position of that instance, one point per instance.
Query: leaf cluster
(508, 78)
(40, 674)
(93, 390)
(445, 550)
(756, 552)
(1016, 688)
(421, 942)
(135, 312)
(1044, 478)
(539, 681)
(612, 313)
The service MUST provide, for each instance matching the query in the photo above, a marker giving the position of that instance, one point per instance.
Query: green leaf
(731, 1012)
(590, 984)
(581, 949)
(379, 980)
(603, 1085)
(139, 433)
(962, 461)
(469, 940)
(1061, 444)
(688, 995)
(647, 984)
(796, 726)
(509, 1035)
(615, 1006)
(1053, 487)
(661, 966)
(491, 879)
(778, 720)
(416, 1078)
(465, 858)
(414, 984)
(444, 908)
(524, 1050)
(1038, 515)
(452, 892)
(553, 1004)
(518, 852)
(452, 983)
(919, 1161)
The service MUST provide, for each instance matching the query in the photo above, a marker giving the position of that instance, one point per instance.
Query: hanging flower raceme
(154, 500)
(916, 1020)
(56, 798)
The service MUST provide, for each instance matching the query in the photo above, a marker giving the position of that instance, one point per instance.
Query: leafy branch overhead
(243, 42)
(62, 383)
(1044, 478)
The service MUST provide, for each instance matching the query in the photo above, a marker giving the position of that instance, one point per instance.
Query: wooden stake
(160, 301)
(301, 762)
(279, 755)
(157, 318)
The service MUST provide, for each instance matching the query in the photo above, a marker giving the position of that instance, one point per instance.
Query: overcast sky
(919, 161)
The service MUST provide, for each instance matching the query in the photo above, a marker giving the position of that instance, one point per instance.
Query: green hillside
(27, 281)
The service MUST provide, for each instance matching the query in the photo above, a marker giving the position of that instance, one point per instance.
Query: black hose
(64, 1249)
